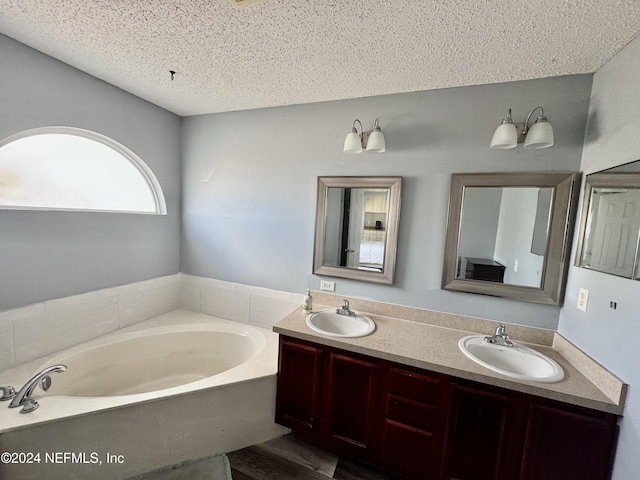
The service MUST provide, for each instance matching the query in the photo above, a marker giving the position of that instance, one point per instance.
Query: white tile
(9, 319)
(186, 278)
(72, 304)
(159, 282)
(219, 284)
(7, 351)
(146, 303)
(225, 304)
(249, 290)
(265, 312)
(283, 296)
(41, 335)
(189, 281)
(17, 314)
(210, 282)
(190, 296)
(109, 292)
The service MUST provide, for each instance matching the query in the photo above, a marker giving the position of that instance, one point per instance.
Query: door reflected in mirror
(609, 239)
(504, 234)
(357, 227)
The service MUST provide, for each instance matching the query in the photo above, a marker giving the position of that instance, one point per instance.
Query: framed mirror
(507, 235)
(357, 228)
(609, 240)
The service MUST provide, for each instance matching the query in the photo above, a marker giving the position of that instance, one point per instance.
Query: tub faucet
(344, 310)
(500, 338)
(23, 397)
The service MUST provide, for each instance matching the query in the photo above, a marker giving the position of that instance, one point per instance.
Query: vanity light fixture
(371, 141)
(509, 134)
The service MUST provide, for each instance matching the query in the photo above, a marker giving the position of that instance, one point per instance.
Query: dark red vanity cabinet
(349, 402)
(483, 440)
(495, 433)
(299, 398)
(428, 426)
(329, 394)
(567, 443)
(411, 421)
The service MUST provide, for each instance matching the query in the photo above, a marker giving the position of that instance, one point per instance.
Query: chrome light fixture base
(510, 135)
(371, 140)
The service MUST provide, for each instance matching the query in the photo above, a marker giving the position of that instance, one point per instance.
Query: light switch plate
(583, 299)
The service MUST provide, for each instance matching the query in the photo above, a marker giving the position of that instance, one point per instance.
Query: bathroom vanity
(439, 422)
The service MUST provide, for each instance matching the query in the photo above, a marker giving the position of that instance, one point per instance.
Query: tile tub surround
(429, 340)
(257, 306)
(41, 329)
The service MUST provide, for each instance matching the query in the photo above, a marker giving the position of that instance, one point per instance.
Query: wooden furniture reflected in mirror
(507, 234)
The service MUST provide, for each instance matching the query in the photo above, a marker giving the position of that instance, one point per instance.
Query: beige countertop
(435, 348)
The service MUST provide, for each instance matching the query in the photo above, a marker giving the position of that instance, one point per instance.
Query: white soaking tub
(159, 358)
(179, 386)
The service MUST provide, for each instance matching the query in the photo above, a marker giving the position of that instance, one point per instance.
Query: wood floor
(292, 458)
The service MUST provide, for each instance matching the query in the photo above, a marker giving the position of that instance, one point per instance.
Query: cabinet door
(567, 444)
(299, 396)
(351, 385)
(482, 440)
(412, 421)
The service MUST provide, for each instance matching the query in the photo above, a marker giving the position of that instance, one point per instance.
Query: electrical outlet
(327, 285)
(583, 299)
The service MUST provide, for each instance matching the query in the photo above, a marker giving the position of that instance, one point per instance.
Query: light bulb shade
(540, 135)
(352, 143)
(375, 143)
(505, 136)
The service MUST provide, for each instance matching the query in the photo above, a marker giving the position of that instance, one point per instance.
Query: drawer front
(414, 385)
(411, 412)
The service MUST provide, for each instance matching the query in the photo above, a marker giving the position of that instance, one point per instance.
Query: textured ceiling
(283, 52)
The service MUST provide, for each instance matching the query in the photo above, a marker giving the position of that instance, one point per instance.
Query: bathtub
(179, 386)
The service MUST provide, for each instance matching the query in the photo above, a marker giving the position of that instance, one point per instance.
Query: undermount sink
(517, 361)
(330, 323)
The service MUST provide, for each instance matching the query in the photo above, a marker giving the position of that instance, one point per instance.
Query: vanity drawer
(411, 412)
(415, 385)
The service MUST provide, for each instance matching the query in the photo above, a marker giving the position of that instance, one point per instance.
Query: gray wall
(249, 184)
(612, 337)
(480, 218)
(45, 255)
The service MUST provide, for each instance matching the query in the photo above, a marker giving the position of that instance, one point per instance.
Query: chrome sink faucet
(500, 337)
(344, 310)
(23, 397)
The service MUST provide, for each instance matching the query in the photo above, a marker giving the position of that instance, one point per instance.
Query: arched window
(66, 168)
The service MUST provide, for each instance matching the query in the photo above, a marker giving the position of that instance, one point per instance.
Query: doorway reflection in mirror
(355, 235)
(609, 240)
(357, 222)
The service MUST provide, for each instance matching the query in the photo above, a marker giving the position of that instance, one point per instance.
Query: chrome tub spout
(23, 397)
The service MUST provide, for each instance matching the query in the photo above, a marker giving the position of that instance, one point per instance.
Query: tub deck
(55, 408)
